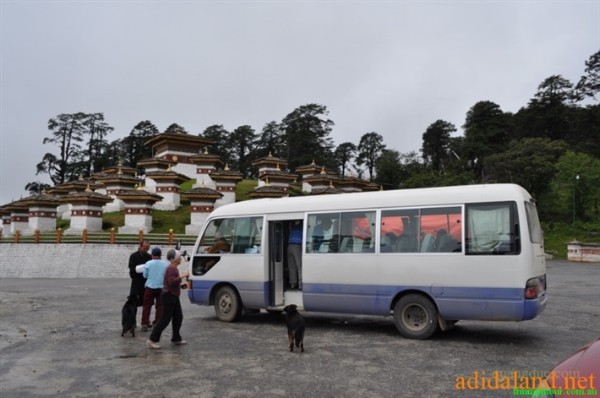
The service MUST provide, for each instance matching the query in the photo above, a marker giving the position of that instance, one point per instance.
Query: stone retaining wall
(584, 252)
(66, 260)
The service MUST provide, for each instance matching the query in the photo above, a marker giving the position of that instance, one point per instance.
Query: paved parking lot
(61, 337)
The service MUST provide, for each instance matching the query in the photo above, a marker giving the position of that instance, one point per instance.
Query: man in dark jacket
(139, 257)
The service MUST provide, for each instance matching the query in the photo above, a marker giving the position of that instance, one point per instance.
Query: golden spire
(88, 189)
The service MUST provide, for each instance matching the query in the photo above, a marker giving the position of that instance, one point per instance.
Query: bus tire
(415, 317)
(228, 305)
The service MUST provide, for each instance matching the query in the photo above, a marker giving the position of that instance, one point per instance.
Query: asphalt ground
(61, 337)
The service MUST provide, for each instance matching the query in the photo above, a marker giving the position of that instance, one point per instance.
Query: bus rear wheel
(415, 317)
(228, 305)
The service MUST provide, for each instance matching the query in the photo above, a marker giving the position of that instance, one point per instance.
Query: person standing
(294, 255)
(170, 300)
(138, 281)
(154, 272)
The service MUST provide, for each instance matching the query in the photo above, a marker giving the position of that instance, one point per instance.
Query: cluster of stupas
(179, 157)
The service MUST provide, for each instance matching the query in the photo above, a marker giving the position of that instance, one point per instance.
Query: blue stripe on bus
(253, 294)
(476, 303)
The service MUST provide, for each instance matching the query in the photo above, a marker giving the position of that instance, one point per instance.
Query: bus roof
(438, 196)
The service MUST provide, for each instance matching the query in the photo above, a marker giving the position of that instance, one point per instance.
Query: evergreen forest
(550, 146)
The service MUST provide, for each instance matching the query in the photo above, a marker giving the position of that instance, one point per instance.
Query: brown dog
(295, 326)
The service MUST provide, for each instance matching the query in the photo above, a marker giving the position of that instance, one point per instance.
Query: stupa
(202, 203)
(178, 147)
(86, 210)
(138, 210)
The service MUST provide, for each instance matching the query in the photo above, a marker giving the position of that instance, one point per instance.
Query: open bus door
(276, 262)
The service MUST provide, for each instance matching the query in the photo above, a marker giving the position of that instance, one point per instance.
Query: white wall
(20, 260)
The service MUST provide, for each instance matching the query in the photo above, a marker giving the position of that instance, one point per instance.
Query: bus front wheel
(415, 317)
(228, 306)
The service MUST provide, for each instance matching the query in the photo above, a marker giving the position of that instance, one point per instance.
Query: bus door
(276, 258)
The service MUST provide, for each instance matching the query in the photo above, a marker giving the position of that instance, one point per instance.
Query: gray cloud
(390, 67)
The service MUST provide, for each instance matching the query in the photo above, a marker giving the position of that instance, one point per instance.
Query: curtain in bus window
(489, 229)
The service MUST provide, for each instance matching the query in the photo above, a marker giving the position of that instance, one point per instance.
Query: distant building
(226, 181)
(138, 210)
(179, 148)
(42, 212)
(114, 185)
(86, 210)
(202, 203)
(206, 163)
(167, 186)
(152, 165)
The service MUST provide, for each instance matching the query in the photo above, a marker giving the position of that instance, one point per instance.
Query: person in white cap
(154, 272)
(171, 305)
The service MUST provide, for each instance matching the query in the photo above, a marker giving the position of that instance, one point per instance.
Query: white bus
(429, 257)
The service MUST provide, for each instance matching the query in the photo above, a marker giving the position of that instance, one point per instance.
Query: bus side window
(441, 229)
(353, 232)
(324, 234)
(215, 228)
(399, 231)
(246, 237)
(446, 243)
(492, 229)
(428, 244)
(310, 234)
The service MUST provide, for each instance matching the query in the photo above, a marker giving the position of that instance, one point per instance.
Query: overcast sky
(393, 67)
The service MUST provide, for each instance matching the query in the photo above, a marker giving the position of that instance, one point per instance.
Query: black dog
(128, 316)
(295, 326)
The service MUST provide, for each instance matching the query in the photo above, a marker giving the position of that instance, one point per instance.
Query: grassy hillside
(556, 236)
(163, 221)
